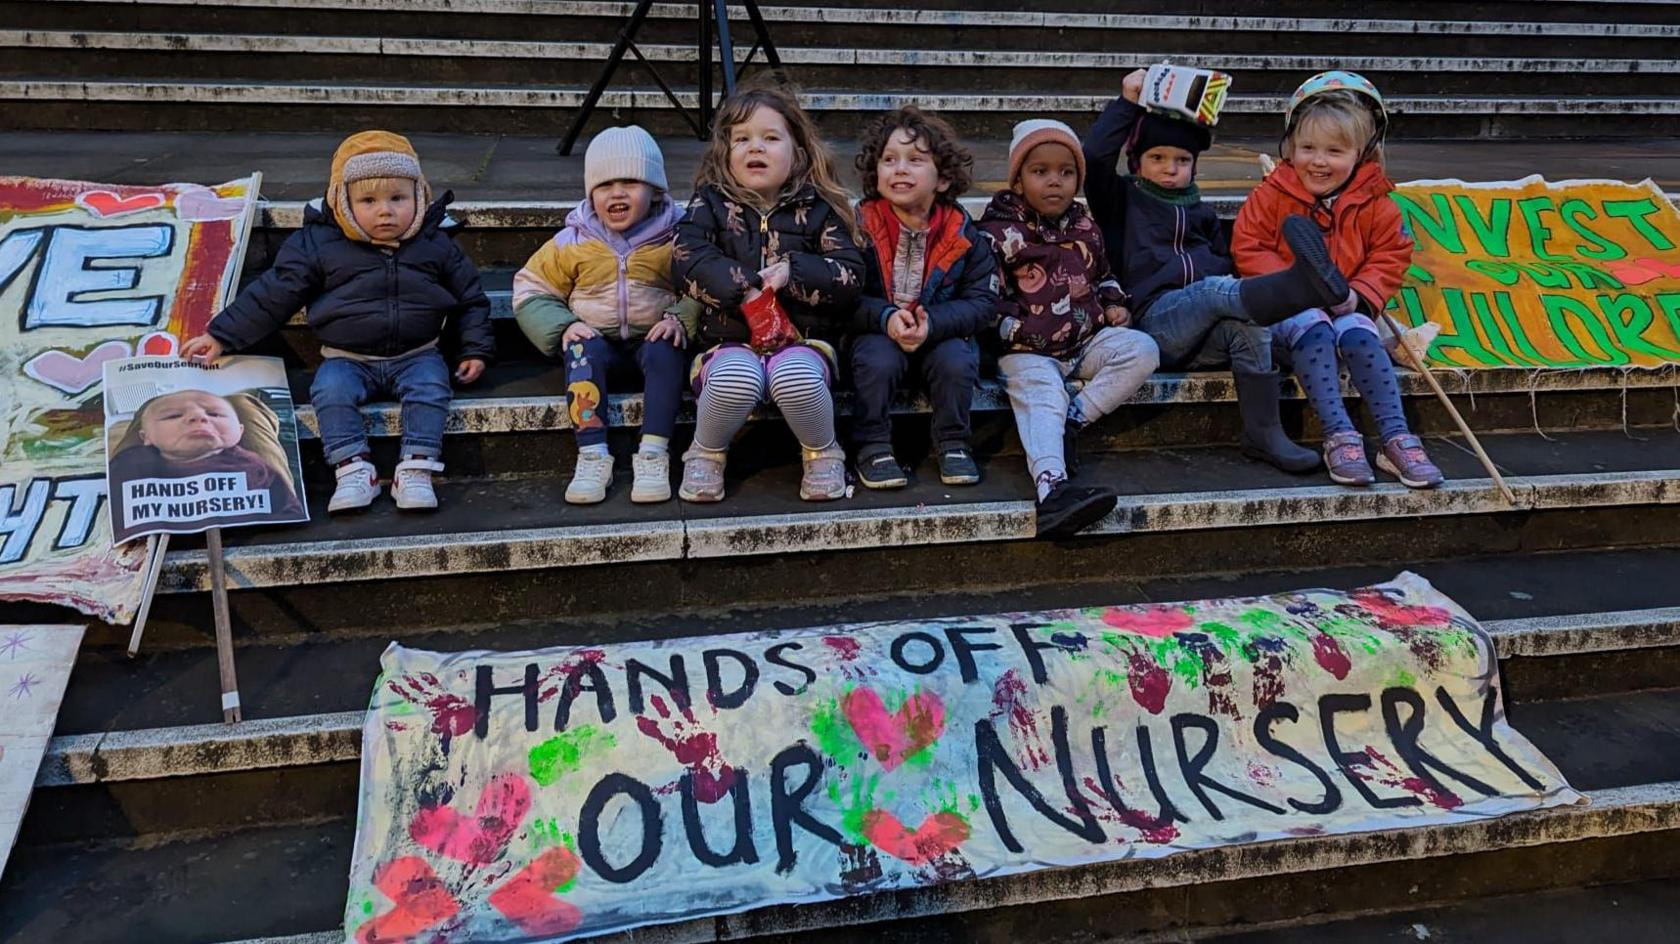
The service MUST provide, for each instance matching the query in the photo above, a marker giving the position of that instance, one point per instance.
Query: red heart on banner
(938, 834)
(528, 899)
(158, 344)
(894, 737)
(106, 204)
(480, 838)
(418, 899)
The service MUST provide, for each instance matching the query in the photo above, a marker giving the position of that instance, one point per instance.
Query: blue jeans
(663, 368)
(419, 381)
(1204, 325)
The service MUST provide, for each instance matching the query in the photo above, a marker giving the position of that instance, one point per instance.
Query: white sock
(595, 449)
(655, 445)
(1047, 481)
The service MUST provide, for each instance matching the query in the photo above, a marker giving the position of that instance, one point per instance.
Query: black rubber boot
(1263, 437)
(1070, 509)
(1312, 282)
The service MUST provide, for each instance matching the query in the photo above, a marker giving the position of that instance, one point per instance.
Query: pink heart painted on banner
(201, 205)
(894, 737)
(64, 371)
(478, 839)
(106, 204)
(938, 834)
(158, 344)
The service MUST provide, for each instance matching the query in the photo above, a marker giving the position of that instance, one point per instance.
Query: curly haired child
(768, 247)
(1332, 173)
(930, 285)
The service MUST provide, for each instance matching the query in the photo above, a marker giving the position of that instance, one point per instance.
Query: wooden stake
(1417, 361)
(224, 628)
(156, 546)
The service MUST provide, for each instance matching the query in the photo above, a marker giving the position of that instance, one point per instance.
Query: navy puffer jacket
(363, 299)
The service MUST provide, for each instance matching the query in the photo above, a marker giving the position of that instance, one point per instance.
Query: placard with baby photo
(192, 446)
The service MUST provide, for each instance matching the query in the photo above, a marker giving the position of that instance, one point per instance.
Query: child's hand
(775, 278)
(917, 334)
(576, 333)
(469, 370)
(1117, 315)
(1131, 87)
(203, 349)
(899, 323)
(1348, 305)
(668, 329)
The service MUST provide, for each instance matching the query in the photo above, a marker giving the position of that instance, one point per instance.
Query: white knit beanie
(1033, 132)
(627, 153)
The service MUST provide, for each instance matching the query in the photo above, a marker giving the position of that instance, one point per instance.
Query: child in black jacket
(382, 282)
(1174, 262)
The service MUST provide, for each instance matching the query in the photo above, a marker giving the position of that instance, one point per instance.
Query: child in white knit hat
(599, 297)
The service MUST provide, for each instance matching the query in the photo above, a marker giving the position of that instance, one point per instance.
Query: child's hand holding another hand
(203, 349)
(469, 370)
(1131, 87)
(909, 329)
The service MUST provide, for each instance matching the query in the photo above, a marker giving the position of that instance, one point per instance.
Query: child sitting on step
(768, 247)
(1172, 255)
(599, 295)
(382, 284)
(1062, 315)
(1332, 174)
(930, 284)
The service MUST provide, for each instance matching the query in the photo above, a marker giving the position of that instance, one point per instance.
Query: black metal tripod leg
(625, 37)
(726, 49)
(763, 31)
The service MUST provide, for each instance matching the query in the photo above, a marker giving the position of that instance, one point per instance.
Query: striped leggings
(734, 380)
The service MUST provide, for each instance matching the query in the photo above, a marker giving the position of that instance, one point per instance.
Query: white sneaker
(590, 479)
(412, 485)
(652, 482)
(358, 486)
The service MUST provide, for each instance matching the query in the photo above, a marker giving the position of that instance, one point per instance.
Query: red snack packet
(769, 324)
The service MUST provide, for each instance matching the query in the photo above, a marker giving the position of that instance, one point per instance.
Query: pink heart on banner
(201, 204)
(64, 371)
(893, 738)
(158, 344)
(478, 839)
(938, 834)
(106, 204)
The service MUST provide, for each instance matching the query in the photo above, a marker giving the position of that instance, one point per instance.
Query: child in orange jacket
(1332, 173)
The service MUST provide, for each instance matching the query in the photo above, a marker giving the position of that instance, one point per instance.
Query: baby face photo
(192, 447)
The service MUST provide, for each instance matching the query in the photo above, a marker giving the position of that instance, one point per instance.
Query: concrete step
(1618, 748)
(43, 102)
(430, 62)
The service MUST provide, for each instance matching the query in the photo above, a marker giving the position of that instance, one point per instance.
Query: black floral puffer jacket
(723, 243)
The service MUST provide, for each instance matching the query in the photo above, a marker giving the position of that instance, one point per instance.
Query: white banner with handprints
(575, 791)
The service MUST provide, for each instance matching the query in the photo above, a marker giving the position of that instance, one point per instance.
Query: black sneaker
(957, 466)
(878, 469)
(1070, 509)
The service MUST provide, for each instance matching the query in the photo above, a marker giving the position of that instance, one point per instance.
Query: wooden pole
(224, 628)
(156, 546)
(1417, 361)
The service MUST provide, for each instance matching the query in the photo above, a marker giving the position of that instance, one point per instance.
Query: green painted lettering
(1669, 304)
(1495, 231)
(1546, 276)
(1492, 330)
(1562, 311)
(1513, 323)
(1463, 338)
(1442, 226)
(1573, 211)
(1539, 233)
(1630, 317)
(1635, 211)
(1590, 276)
(1504, 273)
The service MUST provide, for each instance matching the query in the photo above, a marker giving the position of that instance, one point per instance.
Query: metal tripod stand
(709, 14)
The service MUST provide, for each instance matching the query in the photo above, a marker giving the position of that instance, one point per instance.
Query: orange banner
(1531, 273)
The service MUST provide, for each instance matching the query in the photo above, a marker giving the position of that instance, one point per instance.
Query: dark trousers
(587, 364)
(949, 369)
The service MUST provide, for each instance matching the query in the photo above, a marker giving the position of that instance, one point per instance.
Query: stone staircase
(1560, 68)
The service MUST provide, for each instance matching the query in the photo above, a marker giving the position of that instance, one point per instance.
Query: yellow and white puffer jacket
(617, 283)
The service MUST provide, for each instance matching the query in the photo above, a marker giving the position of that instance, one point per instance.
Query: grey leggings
(733, 381)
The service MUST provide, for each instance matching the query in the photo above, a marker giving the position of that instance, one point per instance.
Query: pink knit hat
(1032, 133)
